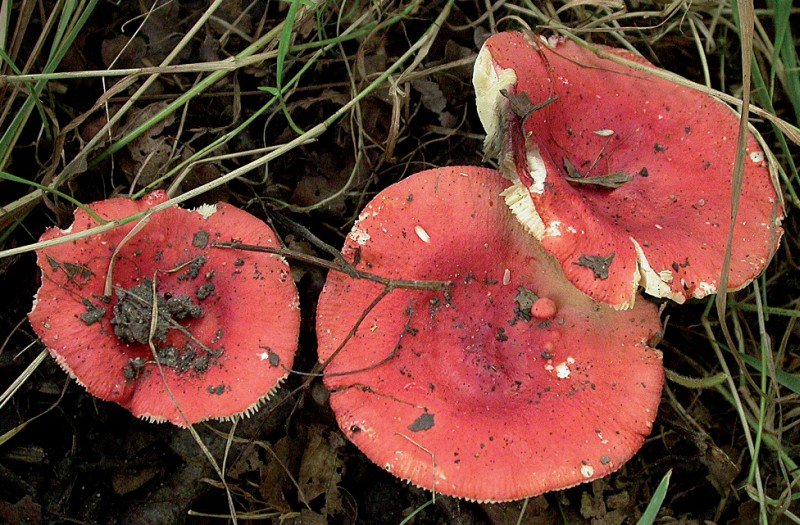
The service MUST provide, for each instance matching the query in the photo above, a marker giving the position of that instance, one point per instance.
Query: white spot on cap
(359, 236)
(704, 289)
(421, 233)
(604, 132)
(554, 230)
(562, 370)
(264, 356)
(507, 277)
(757, 156)
(587, 471)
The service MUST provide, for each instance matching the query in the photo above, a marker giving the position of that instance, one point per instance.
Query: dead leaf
(434, 100)
(233, 13)
(248, 461)
(150, 152)
(23, 511)
(322, 468)
(123, 52)
(536, 511)
(593, 505)
(276, 480)
(161, 35)
(721, 468)
(128, 480)
(611, 181)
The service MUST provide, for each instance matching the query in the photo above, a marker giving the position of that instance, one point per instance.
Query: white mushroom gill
(536, 167)
(519, 202)
(488, 81)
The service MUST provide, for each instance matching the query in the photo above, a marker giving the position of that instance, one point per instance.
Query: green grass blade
(785, 379)
(284, 43)
(650, 513)
(786, 51)
(14, 178)
(58, 51)
(11, 64)
(419, 509)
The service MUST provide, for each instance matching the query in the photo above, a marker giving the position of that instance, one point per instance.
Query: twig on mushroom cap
(345, 267)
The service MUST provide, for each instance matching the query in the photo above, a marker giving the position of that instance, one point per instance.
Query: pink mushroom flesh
(466, 392)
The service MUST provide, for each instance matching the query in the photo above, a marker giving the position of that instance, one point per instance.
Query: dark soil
(74, 459)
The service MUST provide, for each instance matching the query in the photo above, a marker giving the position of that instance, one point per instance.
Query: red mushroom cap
(468, 393)
(229, 320)
(670, 151)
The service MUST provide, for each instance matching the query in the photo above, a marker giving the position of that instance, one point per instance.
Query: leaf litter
(90, 462)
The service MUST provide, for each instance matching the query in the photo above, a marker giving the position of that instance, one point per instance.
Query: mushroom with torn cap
(227, 323)
(510, 384)
(623, 176)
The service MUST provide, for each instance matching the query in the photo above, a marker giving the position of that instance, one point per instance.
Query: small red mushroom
(510, 384)
(623, 176)
(228, 321)
(544, 308)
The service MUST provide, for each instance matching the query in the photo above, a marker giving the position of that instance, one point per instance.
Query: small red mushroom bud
(544, 308)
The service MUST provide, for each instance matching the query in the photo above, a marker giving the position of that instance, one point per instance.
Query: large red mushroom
(510, 384)
(226, 322)
(623, 176)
